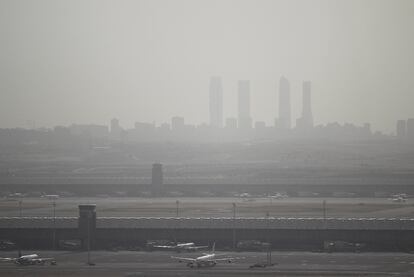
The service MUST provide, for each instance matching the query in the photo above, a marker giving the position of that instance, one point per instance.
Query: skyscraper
(216, 102)
(306, 121)
(114, 125)
(244, 118)
(177, 123)
(401, 128)
(284, 121)
(115, 131)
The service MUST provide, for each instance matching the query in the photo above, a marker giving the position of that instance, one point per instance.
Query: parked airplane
(207, 260)
(186, 246)
(16, 195)
(278, 195)
(32, 259)
(51, 196)
(401, 197)
(246, 196)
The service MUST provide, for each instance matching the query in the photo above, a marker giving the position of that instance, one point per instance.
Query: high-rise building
(244, 118)
(401, 128)
(231, 123)
(306, 121)
(216, 102)
(284, 121)
(114, 125)
(115, 131)
(177, 123)
(157, 178)
(260, 125)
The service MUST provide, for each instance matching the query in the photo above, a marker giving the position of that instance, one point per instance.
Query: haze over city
(206, 137)
(89, 61)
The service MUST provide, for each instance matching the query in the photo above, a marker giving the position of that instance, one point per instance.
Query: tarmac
(209, 207)
(160, 263)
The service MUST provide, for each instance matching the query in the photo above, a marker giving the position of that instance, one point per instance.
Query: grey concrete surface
(131, 263)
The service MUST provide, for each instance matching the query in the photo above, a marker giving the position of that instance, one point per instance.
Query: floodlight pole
(54, 225)
(269, 250)
(177, 203)
(89, 238)
(234, 226)
(20, 208)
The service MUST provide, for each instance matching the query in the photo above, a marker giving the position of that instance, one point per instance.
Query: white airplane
(186, 246)
(51, 196)
(246, 197)
(32, 259)
(16, 195)
(207, 260)
(401, 197)
(278, 195)
(398, 199)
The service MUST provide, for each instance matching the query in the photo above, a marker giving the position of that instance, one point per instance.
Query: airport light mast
(89, 238)
(20, 208)
(177, 203)
(234, 226)
(54, 225)
(269, 250)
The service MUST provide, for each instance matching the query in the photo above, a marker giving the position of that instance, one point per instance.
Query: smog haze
(65, 62)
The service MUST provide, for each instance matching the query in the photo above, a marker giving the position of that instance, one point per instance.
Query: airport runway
(210, 207)
(139, 263)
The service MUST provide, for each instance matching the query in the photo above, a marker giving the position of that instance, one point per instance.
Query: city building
(260, 125)
(177, 123)
(115, 128)
(231, 123)
(401, 128)
(244, 118)
(144, 127)
(284, 120)
(216, 102)
(89, 130)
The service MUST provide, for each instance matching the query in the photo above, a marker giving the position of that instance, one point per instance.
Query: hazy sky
(64, 62)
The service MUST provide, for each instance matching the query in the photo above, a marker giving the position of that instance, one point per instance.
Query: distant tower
(284, 104)
(306, 121)
(231, 123)
(216, 102)
(115, 131)
(401, 128)
(157, 179)
(177, 123)
(244, 118)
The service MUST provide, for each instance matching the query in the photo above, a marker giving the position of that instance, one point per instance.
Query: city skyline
(146, 60)
(243, 119)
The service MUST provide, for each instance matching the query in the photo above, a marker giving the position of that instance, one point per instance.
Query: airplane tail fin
(214, 248)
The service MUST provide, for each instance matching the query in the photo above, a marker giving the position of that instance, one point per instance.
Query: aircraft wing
(41, 260)
(196, 247)
(8, 259)
(164, 247)
(228, 259)
(183, 259)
